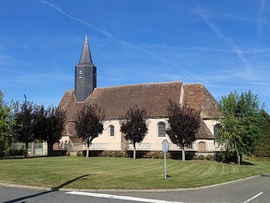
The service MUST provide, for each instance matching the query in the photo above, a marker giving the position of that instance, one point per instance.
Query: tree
(89, 124)
(24, 128)
(184, 123)
(49, 124)
(4, 112)
(241, 123)
(6, 120)
(263, 146)
(134, 126)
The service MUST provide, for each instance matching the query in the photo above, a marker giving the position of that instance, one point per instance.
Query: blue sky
(223, 44)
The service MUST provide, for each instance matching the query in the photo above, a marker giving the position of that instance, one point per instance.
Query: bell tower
(85, 74)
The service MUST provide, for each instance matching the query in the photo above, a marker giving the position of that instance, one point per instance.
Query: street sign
(165, 146)
(165, 149)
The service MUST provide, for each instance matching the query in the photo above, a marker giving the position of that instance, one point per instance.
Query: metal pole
(165, 174)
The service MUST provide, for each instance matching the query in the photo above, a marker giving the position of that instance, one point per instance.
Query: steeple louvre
(85, 74)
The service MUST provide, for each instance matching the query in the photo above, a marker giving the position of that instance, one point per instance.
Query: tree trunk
(87, 151)
(26, 149)
(49, 148)
(238, 158)
(134, 150)
(183, 154)
(33, 148)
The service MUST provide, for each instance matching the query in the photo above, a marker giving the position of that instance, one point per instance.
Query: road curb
(123, 190)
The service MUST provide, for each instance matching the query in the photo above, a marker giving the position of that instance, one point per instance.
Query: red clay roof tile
(115, 101)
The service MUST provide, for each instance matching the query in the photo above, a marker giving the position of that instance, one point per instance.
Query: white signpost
(165, 149)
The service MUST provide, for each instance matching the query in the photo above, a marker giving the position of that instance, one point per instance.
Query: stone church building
(115, 101)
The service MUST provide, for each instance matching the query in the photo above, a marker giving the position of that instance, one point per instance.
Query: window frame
(111, 131)
(160, 123)
(199, 148)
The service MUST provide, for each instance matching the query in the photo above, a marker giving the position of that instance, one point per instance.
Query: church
(116, 100)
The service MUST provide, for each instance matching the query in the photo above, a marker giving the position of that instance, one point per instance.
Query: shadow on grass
(243, 163)
(22, 157)
(246, 163)
(68, 182)
(46, 192)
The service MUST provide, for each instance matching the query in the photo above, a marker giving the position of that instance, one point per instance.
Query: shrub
(79, 154)
(120, 154)
(201, 157)
(156, 155)
(195, 157)
(210, 157)
(106, 154)
(67, 153)
(14, 152)
(218, 157)
(113, 154)
(150, 155)
(226, 157)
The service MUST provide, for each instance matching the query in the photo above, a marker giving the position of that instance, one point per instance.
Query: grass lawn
(121, 173)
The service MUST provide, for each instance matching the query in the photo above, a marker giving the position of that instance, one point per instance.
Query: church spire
(86, 55)
(85, 74)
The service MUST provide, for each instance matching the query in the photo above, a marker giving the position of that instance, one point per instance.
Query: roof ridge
(143, 84)
(194, 84)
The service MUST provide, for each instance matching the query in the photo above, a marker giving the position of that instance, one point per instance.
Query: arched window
(202, 147)
(161, 129)
(111, 131)
(217, 129)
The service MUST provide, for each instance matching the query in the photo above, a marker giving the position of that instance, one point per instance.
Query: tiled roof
(154, 97)
(198, 97)
(115, 101)
(204, 132)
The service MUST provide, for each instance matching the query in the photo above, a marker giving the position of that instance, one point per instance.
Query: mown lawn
(121, 173)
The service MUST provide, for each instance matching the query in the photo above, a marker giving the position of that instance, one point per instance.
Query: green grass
(122, 173)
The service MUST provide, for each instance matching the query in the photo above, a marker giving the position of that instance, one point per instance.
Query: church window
(161, 130)
(111, 131)
(202, 147)
(217, 129)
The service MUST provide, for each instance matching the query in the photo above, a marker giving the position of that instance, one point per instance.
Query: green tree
(48, 125)
(4, 112)
(184, 123)
(24, 128)
(241, 123)
(89, 124)
(6, 121)
(134, 126)
(263, 146)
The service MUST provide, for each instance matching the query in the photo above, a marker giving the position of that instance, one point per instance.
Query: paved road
(251, 190)
(255, 189)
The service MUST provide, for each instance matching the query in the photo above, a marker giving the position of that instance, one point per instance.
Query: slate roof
(115, 101)
(85, 55)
